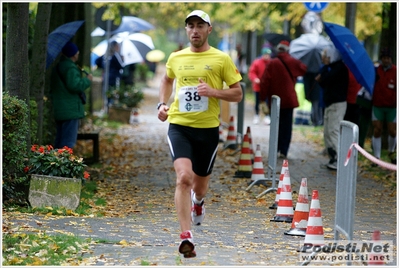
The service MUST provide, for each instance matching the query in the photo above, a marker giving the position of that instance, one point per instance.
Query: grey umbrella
(307, 48)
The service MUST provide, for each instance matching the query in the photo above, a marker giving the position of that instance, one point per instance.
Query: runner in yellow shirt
(193, 117)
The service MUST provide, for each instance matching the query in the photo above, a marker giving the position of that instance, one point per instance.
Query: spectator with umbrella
(334, 79)
(115, 68)
(66, 88)
(308, 48)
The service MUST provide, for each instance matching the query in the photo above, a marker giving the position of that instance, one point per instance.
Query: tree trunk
(350, 16)
(17, 60)
(17, 57)
(388, 32)
(38, 63)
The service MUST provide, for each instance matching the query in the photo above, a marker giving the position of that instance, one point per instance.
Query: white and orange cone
(301, 215)
(280, 183)
(245, 163)
(314, 230)
(285, 211)
(221, 138)
(376, 258)
(134, 116)
(258, 173)
(231, 141)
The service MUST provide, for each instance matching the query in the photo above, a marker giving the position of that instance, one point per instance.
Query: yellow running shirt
(214, 67)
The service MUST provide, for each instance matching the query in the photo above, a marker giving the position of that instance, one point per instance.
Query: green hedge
(15, 128)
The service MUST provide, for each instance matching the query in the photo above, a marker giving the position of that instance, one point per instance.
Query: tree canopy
(246, 16)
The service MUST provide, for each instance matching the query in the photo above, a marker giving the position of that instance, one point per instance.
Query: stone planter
(119, 114)
(54, 191)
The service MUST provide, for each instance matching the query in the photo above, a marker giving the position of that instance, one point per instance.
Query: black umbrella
(308, 48)
(275, 38)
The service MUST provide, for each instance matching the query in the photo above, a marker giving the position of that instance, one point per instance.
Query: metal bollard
(240, 112)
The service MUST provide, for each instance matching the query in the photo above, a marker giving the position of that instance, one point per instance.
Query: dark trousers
(364, 124)
(257, 102)
(352, 113)
(67, 133)
(285, 130)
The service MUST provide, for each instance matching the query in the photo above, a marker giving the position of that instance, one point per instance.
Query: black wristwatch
(160, 104)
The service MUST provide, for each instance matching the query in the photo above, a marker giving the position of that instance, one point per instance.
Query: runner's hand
(163, 113)
(204, 89)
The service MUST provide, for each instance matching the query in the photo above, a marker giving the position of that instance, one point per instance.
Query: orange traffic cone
(258, 172)
(280, 183)
(301, 215)
(376, 259)
(221, 139)
(250, 143)
(245, 164)
(314, 230)
(285, 211)
(134, 116)
(231, 141)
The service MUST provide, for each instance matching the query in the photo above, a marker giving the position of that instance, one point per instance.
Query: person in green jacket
(67, 88)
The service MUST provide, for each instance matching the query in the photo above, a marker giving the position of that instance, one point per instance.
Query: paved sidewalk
(237, 230)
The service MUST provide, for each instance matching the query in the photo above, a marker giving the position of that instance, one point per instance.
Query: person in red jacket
(384, 104)
(279, 79)
(256, 71)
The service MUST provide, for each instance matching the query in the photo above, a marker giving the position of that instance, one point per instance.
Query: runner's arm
(165, 91)
(233, 94)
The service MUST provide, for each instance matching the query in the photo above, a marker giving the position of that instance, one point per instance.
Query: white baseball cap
(201, 14)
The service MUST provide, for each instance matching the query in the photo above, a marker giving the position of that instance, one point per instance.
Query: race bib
(190, 101)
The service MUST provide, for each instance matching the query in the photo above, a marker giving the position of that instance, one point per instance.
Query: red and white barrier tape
(369, 157)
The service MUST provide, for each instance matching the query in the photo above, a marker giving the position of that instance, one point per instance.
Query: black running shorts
(200, 145)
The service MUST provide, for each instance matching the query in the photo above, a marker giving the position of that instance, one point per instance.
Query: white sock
(391, 143)
(196, 201)
(377, 146)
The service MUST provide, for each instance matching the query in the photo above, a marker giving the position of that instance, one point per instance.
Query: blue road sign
(316, 6)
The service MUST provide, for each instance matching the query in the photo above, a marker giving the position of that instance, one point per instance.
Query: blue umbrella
(98, 51)
(58, 38)
(353, 54)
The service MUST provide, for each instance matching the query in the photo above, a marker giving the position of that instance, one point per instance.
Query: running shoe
(197, 211)
(332, 164)
(186, 246)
